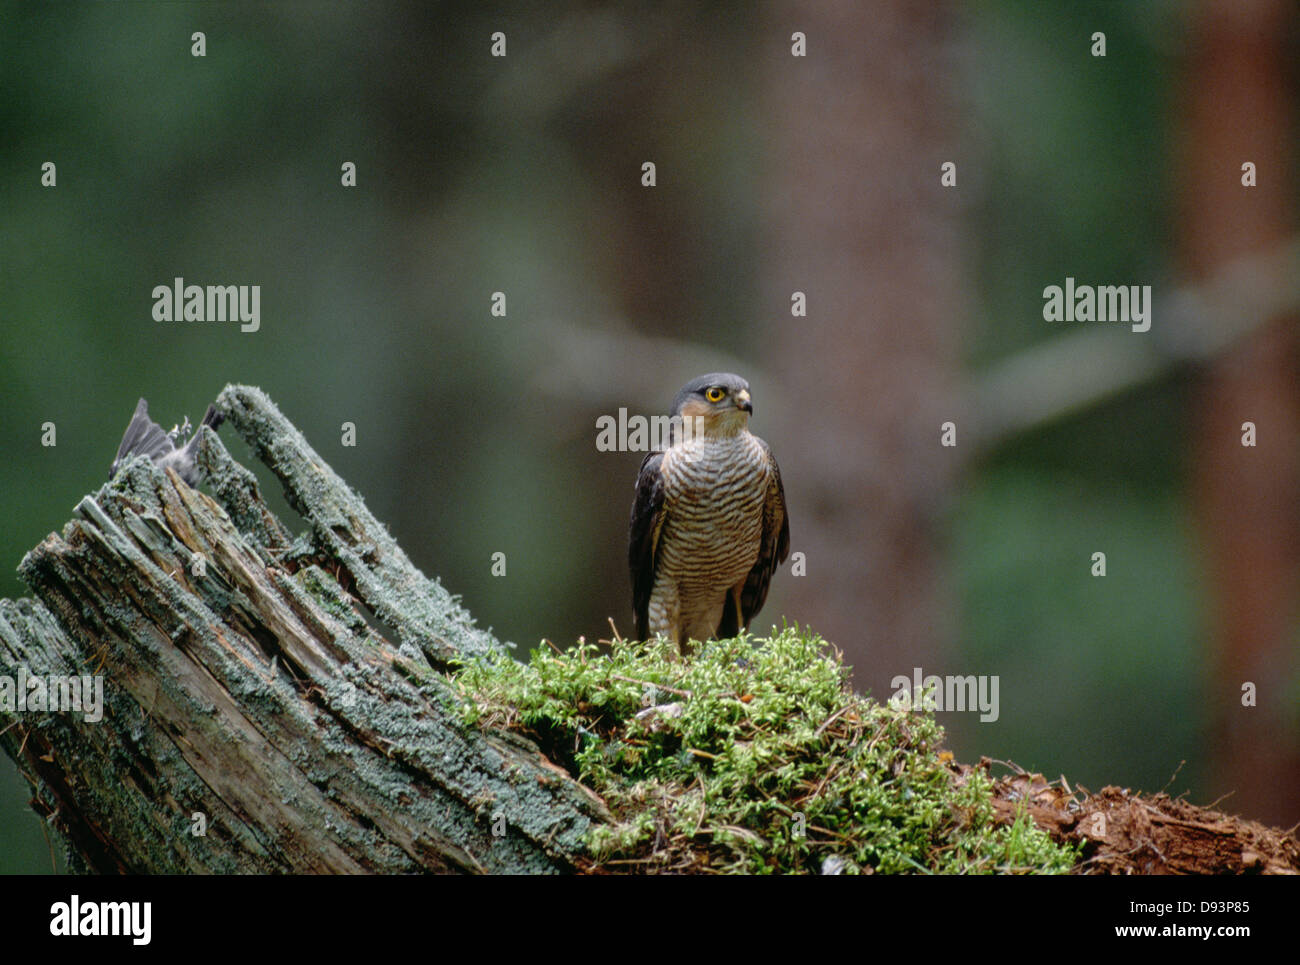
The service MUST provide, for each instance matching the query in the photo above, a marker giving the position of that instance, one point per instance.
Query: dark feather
(730, 623)
(643, 538)
(144, 437)
(773, 549)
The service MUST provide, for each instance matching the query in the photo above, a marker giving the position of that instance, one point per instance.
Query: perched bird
(145, 437)
(709, 525)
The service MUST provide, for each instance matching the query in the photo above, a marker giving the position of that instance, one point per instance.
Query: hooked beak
(742, 401)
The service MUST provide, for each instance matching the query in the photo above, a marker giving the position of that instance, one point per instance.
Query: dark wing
(772, 550)
(643, 537)
(143, 437)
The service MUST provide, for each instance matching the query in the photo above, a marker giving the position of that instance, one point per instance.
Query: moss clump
(751, 759)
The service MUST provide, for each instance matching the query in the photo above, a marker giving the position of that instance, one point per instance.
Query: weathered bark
(244, 683)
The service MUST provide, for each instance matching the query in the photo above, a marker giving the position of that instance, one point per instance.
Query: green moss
(751, 757)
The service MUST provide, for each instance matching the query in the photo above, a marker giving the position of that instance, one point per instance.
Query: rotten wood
(255, 719)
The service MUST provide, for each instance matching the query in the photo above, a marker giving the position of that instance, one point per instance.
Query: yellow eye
(715, 394)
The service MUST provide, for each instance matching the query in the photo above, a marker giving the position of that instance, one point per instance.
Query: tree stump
(254, 717)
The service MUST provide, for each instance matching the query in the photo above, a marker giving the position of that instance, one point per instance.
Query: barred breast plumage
(708, 522)
(713, 497)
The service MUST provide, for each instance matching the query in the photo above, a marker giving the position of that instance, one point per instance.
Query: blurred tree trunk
(856, 219)
(1239, 111)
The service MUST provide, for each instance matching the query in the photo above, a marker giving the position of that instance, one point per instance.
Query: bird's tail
(143, 437)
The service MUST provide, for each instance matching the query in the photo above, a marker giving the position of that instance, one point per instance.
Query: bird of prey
(144, 437)
(709, 525)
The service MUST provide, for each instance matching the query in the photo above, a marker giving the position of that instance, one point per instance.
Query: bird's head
(717, 404)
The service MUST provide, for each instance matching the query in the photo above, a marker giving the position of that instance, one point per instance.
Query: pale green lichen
(751, 757)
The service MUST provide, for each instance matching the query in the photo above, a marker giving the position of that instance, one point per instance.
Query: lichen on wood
(255, 721)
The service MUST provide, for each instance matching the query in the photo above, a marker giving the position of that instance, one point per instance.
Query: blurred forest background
(775, 174)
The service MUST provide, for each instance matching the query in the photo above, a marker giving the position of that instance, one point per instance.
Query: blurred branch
(614, 364)
(1195, 323)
